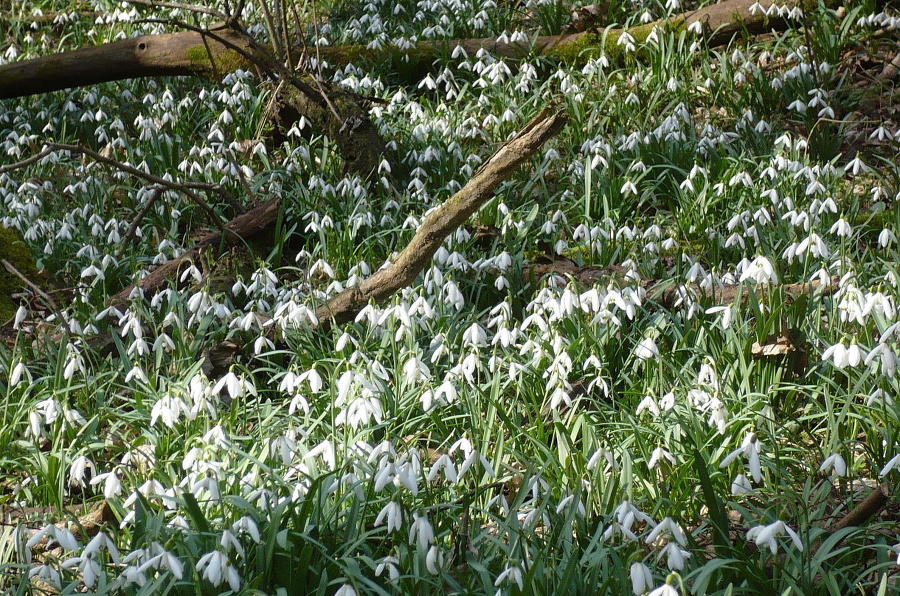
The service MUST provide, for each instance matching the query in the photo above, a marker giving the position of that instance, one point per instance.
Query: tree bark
(253, 224)
(194, 54)
(437, 225)
(331, 110)
(443, 220)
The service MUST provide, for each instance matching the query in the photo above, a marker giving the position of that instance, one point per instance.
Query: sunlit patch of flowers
(486, 427)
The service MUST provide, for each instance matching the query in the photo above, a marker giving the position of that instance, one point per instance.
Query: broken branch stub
(443, 220)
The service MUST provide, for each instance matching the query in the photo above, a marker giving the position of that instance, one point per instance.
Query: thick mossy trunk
(14, 251)
(192, 53)
(354, 133)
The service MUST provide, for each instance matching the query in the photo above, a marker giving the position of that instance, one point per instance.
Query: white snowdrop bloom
(766, 535)
(659, 454)
(726, 313)
(886, 238)
(647, 349)
(345, 590)
(420, 531)
(843, 356)
(887, 357)
(80, 466)
(19, 372)
(675, 556)
(835, 463)
(741, 486)
(626, 515)
(392, 513)
(53, 533)
(388, 564)
(879, 303)
(750, 447)
(667, 589)
(668, 528)
(841, 228)
(414, 370)
(892, 463)
(761, 271)
(216, 568)
(648, 404)
(21, 314)
(434, 560)
(168, 409)
(627, 40)
(112, 486)
(601, 454)
(641, 578)
(511, 574)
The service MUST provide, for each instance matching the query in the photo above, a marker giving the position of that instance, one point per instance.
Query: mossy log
(195, 54)
(331, 110)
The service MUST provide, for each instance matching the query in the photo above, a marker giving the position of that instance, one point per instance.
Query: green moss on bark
(223, 61)
(13, 250)
(593, 45)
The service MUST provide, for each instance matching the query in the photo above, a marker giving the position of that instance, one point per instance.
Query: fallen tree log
(243, 228)
(407, 265)
(444, 220)
(193, 53)
(331, 110)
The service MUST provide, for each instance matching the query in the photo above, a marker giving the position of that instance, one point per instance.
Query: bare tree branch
(215, 218)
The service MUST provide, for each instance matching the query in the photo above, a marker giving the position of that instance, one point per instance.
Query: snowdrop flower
(668, 527)
(887, 357)
(511, 574)
(727, 313)
(345, 590)
(80, 466)
(388, 564)
(886, 238)
(112, 486)
(602, 454)
(641, 578)
(434, 560)
(843, 356)
(646, 349)
(894, 462)
(741, 486)
(667, 589)
(766, 535)
(658, 454)
(835, 462)
(750, 447)
(216, 569)
(21, 314)
(761, 271)
(393, 514)
(647, 404)
(420, 531)
(19, 372)
(56, 534)
(675, 556)
(841, 228)
(626, 515)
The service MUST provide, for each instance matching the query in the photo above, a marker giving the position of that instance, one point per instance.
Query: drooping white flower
(647, 349)
(761, 271)
(641, 578)
(751, 447)
(766, 535)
